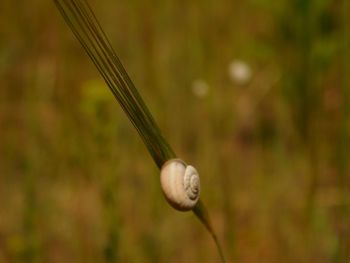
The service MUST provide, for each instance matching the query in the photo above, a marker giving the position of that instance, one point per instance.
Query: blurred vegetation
(254, 93)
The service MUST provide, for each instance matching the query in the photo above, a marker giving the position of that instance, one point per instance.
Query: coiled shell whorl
(180, 184)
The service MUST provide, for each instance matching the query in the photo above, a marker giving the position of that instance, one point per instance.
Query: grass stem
(86, 28)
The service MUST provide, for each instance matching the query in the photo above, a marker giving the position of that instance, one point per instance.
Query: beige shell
(180, 184)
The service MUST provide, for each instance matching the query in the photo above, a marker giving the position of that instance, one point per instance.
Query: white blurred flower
(200, 88)
(239, 71)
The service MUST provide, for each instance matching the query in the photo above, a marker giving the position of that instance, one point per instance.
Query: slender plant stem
(202, 213)
(86, 28)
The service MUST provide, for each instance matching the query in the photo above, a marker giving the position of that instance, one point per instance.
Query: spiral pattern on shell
(180, 184)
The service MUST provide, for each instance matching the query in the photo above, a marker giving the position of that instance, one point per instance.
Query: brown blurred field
(254, 93)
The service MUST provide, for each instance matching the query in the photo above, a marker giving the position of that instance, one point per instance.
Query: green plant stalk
(202, 213)
(86, 28)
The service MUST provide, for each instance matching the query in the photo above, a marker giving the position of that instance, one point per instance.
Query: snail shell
(180, 184)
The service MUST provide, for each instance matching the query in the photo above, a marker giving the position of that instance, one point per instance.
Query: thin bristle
(86, 28)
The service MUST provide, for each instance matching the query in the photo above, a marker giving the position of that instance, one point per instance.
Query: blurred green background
(253, 93)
